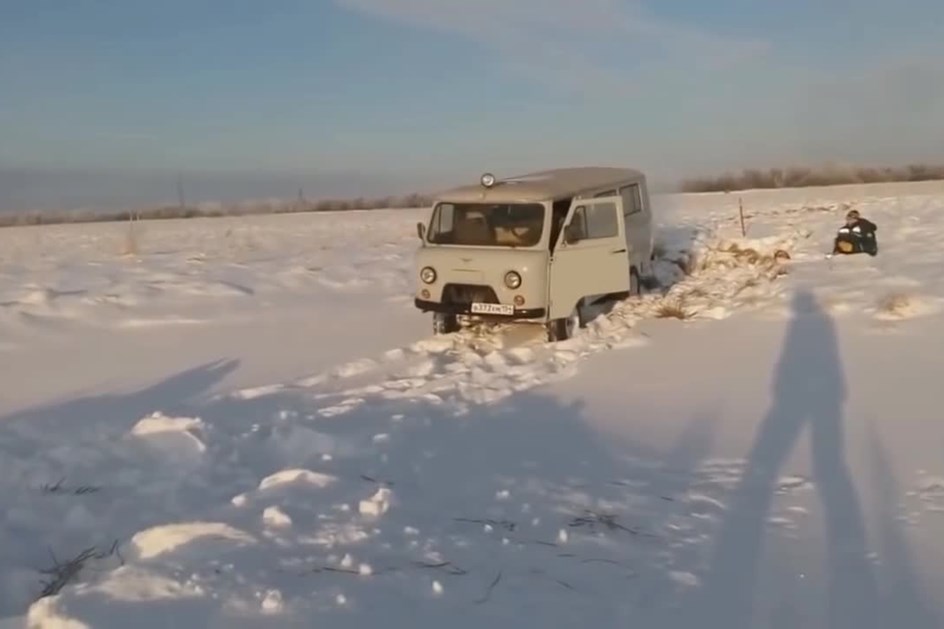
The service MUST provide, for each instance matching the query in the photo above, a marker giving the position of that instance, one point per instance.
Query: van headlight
(512, 280)
(428, 274)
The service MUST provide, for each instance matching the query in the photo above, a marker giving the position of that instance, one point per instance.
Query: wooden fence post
(741, 212)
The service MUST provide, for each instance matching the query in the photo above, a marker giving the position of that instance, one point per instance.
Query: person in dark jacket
(856, 236)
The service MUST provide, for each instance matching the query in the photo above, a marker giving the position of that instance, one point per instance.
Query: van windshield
(487, 224)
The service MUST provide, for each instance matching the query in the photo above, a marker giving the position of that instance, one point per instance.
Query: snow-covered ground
(244, 423)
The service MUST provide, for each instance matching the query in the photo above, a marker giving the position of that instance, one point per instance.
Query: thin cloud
(572, 44)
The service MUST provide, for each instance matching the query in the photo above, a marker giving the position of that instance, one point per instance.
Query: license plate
(493, 309)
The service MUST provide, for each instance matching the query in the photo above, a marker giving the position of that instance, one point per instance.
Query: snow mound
(164, 539)
(285, 482)
(378, 504)
(159, 424)
(178, 439)
(115, 598)
(306, 477)
(276, 518)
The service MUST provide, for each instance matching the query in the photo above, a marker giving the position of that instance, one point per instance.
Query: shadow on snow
(809, 391)
(488, 492)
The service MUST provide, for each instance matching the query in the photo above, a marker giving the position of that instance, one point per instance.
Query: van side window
(632, 199)
(596, 221)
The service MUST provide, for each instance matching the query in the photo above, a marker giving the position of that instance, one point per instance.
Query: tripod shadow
(808, 389)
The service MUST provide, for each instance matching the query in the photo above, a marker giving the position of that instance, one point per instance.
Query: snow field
(442, 480)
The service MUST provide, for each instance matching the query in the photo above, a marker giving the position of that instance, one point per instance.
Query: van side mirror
(421, 231)
(572, 234)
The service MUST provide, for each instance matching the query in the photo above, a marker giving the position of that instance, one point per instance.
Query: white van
(539, 248)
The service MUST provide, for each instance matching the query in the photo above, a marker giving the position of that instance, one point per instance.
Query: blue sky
(366, 96)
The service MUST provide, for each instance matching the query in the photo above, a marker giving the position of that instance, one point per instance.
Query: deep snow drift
(244, 423)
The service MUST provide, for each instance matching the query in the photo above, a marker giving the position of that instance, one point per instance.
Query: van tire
(565, 328)
(445, 323)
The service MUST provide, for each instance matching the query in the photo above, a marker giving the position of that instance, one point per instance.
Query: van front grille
(465, 294)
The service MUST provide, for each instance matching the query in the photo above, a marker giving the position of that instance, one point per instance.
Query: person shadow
(809, 390)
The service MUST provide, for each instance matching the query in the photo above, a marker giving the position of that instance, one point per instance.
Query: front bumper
(465, 309)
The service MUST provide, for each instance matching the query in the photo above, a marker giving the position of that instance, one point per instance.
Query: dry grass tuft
(59, 488)
(734, 254)
(595, 521)
(895, 304)
(739, 252)
(63, 573)
(674, 309)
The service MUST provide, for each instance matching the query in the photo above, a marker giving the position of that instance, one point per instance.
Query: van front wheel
(563, 329)
(445, 323)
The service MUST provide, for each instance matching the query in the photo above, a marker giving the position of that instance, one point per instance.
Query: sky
(108, 102)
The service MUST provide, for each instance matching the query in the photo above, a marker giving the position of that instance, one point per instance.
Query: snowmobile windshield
(487, 224)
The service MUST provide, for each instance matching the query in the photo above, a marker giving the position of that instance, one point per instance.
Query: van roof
(543, 185)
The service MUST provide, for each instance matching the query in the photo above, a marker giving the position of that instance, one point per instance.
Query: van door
(638, 225)
(590, 258)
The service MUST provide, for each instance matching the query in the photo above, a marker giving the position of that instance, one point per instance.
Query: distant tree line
(801, 177)
(215, 209)
(794, 177)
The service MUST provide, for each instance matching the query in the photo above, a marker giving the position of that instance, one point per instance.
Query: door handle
(619, 251)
